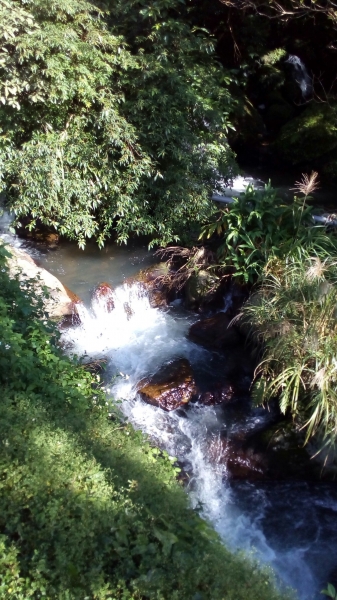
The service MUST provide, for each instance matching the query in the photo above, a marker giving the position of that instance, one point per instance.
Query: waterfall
(136, 340)
(301, 76)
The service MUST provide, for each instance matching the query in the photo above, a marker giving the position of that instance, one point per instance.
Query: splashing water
(137, 339)
(301, 76)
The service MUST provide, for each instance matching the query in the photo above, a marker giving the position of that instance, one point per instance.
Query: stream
(289, 525)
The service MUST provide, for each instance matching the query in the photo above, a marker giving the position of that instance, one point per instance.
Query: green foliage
(330, 591)
(259, 225)
(293, 314)
(110, 120)
(274, 56)
(88, 508)
(310, 136)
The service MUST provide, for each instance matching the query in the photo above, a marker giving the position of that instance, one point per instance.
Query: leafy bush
(110, 121)
(293, 316)
(88, 508)
(330, 591)
(259, 225)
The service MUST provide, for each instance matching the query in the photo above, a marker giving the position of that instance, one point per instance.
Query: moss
(310, 136)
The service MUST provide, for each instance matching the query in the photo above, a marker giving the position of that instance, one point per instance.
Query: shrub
(293, 316)
(259, 225)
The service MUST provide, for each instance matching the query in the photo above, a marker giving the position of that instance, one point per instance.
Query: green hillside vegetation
(88, 508)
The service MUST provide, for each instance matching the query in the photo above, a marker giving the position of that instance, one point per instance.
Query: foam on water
(137, 339)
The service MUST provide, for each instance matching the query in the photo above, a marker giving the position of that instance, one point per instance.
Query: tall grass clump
(88, 508)
(292, 316)
(259, 224)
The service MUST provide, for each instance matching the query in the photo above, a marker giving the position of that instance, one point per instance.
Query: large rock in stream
(237, 461)
(171, 387)
(274, 452)
(61, 302)
(215, 332)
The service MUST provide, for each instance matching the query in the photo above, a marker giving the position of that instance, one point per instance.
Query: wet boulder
(103, 297)
(171, 387)
(246, 464)
(72, 319)
(220, 394)
(154, 282)
(73, 297)
(282, 444)
(215, 332)
(238, 462)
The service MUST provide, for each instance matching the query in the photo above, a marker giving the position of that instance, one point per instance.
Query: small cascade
(301, 76)
(8, 236)
(6, 219)
(137, 340)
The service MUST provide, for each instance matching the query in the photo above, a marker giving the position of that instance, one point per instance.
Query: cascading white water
(6, 219)
(137, 339)
(301, 76)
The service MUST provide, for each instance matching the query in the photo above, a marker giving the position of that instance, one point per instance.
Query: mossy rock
(308, 137)
(200, 288)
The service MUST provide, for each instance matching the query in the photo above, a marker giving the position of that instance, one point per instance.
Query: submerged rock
(282, 444)
(59, 302)
(238, 462)
(215, 332)
(221, 394)
(171, 387)
(103, 296)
